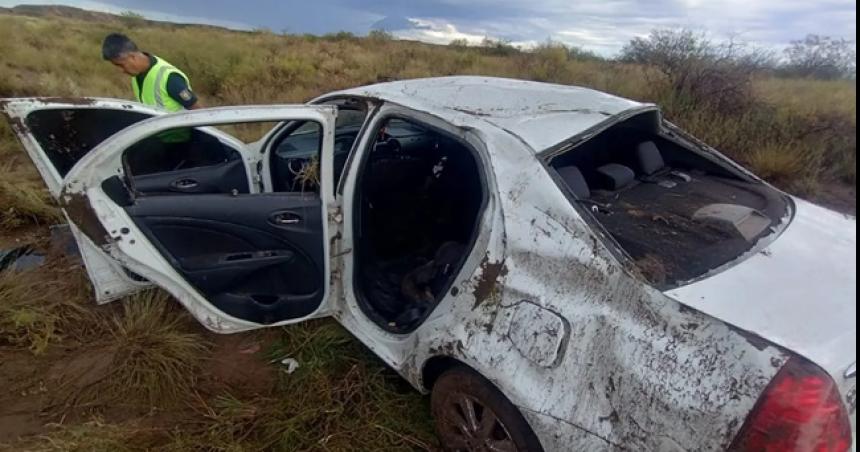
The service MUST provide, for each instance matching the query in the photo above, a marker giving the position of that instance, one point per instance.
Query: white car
(563, 269)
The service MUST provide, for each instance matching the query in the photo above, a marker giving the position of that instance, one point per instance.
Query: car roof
(540, 114)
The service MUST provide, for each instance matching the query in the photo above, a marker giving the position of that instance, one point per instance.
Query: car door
(58, 133)
(237, 260)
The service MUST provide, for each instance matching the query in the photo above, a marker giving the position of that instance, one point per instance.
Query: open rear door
(236, 260)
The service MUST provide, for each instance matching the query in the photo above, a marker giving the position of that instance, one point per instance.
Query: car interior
(676, 213)
(418, 199)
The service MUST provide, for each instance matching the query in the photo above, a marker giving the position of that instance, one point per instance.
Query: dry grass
(45, 306)
(340, 399)
(93, 436)
(777, 164)
(156, 359)
(24, 202)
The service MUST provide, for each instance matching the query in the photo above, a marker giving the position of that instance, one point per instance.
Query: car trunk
(799, 293)
(676, 210)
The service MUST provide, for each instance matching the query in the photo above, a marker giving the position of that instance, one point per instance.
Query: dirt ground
(36, 395)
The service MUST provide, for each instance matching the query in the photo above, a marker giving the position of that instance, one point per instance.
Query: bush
(498, 47)
(698, 71)
(821, 57)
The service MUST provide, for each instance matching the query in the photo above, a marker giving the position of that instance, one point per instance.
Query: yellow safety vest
(154, 93)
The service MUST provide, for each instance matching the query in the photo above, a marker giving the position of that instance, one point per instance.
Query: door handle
(285, 219)
(185, 184)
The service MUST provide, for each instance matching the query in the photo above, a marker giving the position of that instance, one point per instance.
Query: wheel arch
(434, 367)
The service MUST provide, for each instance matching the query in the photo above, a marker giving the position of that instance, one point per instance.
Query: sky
(602, 26)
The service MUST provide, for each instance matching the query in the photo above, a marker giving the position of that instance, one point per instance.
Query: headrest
(575, 181)
(649, 158)
(615, 177)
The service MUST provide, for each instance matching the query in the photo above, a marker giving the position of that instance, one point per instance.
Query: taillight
(801, 411)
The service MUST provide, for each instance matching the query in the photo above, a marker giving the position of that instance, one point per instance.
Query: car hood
(799, 293)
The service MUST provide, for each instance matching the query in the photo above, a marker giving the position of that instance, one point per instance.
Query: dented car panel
(545, 305)
(627, 344)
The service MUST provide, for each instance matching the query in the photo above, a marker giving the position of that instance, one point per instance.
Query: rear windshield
(678, 213)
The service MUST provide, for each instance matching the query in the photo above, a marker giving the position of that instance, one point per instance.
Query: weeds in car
(308, 177)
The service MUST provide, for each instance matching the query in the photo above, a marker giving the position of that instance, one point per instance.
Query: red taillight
(801, 411)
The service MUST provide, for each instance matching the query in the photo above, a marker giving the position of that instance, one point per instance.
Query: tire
(460, 402)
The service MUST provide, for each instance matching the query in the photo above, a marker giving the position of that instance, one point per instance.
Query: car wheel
(471, 415)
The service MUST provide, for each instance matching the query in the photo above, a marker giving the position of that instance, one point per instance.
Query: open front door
(57, 134)
(238, 260)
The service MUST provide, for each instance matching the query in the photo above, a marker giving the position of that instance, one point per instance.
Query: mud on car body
(563, 269)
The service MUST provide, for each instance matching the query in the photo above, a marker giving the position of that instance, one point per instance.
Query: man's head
(124, 54)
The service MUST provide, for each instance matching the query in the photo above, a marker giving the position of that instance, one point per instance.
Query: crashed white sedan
(563, 269)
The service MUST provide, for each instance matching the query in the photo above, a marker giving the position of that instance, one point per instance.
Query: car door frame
(111, 229)
(396, 349)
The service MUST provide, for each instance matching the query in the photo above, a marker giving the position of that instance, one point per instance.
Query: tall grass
(156, 358)
(24, 202)
(340, 398)
(45, 306)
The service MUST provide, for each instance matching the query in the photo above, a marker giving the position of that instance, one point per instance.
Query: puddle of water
(27, 257)
(21, 258)
(63, 242)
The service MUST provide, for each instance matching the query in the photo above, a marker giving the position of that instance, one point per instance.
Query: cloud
(436, 32)
(599, 25)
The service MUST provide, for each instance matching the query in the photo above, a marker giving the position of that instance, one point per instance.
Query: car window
(295, 158)
(348, 126)
(67, 135)
(399, 128)
(174, 150)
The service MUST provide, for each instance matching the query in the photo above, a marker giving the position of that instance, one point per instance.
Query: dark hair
(116, 45)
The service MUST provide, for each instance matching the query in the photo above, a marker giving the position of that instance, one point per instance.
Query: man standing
(157, 83)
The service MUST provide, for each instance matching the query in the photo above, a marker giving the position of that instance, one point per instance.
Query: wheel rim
(469, 425)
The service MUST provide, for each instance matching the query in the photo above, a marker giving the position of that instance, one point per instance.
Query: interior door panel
(221, 178)
(255, 257)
